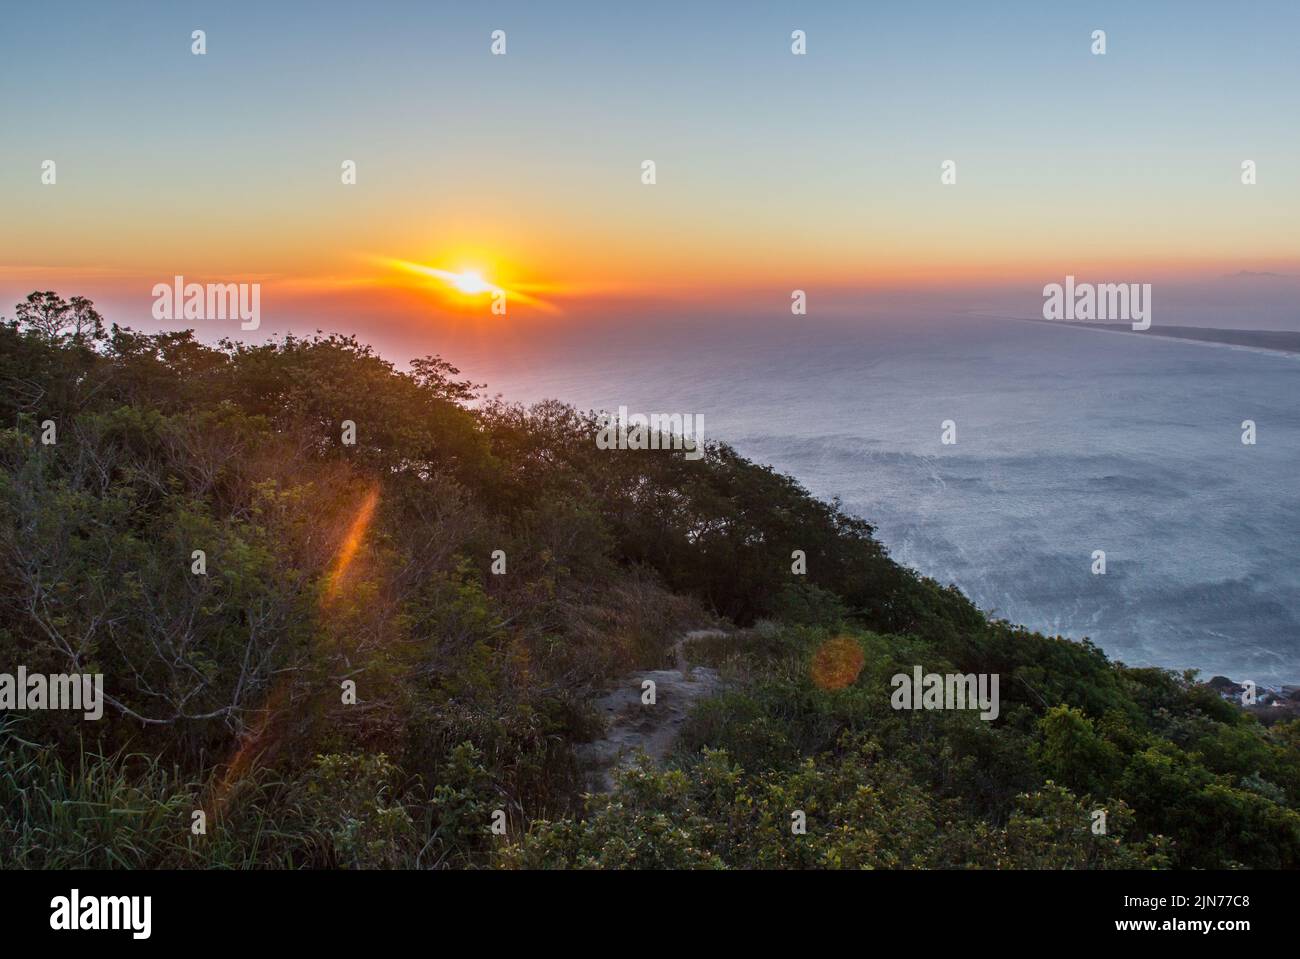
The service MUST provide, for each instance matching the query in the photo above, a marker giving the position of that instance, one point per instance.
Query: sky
(774, 172)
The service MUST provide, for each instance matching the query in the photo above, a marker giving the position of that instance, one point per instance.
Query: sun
(470, 285)
(470, 282)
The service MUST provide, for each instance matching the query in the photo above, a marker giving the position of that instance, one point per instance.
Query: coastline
(1276, 342)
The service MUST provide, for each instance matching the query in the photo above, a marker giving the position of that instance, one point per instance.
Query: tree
(50, 316)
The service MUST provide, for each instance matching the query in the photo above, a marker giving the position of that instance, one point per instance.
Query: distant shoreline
(1282, 342)
(1270, 341)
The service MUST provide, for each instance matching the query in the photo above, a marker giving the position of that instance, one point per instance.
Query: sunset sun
(469, 282)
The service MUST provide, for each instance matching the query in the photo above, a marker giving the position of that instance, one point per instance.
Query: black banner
(334, 909)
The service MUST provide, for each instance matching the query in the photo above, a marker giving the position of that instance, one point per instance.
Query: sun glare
(470, 282)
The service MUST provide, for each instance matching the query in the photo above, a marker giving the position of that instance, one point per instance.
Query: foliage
(328, 563)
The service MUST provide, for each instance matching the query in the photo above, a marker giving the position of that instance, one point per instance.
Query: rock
(633, 726)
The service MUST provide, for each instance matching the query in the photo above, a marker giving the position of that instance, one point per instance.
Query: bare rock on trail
(633, 725)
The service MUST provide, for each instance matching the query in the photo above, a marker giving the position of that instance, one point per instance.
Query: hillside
(345, 614)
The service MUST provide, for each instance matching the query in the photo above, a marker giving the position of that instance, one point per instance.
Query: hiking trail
(632, 726)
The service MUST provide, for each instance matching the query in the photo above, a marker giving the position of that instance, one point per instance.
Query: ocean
(1068, 441)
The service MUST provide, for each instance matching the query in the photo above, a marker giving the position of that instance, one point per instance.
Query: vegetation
(326, 563)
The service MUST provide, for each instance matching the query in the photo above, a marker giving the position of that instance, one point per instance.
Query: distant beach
(1273, 341)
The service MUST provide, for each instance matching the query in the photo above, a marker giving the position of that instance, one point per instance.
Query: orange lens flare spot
(351, 543)
(261, 735)
(837, 663)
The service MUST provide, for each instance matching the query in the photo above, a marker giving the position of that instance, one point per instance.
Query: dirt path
(632, 726)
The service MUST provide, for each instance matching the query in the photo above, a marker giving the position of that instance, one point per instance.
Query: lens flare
(351, 543)
(837, 663)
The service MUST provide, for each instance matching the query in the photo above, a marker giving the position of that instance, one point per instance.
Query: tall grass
(128, 810)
